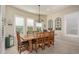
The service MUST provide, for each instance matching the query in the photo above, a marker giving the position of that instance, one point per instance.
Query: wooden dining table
(29, 38)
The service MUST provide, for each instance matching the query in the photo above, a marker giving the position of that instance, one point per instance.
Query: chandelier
(39, 14)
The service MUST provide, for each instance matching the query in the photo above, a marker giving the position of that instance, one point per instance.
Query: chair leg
(19, 50)
(48, 42)
(52, 42)
(36, 47)
(43, 45)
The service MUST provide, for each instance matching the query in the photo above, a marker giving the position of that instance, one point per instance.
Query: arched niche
(50, 24)
(58, 23)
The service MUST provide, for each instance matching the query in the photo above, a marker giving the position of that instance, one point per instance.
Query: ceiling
(44, 9)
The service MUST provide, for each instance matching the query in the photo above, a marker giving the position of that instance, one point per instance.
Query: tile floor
(63, 45)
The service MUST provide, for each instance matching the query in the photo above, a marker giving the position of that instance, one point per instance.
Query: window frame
(23, 22)
(40, 27)
(30, 26)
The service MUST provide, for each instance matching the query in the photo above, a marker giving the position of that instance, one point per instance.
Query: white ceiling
(44, 9)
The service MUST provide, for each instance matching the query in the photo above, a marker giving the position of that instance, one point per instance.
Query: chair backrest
(38, 34)
(47, 34)
(18, 38)
(52, 34)
(34, 33)
(42, 34)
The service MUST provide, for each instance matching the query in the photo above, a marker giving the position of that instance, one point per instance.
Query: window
(38, 27)
(30, 25)
(72, 23)
(19, 24)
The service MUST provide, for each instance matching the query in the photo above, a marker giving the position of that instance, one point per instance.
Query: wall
(0, 29)
(0, 23)
(61, 14)
(10, 14)
(2, 34)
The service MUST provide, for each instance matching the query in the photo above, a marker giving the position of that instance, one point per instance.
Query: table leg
(43, 42)
(48, 42)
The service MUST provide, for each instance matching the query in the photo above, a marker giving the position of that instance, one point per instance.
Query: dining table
(29, 38)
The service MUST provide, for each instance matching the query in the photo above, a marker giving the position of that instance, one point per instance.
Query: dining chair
(39, 41)
(42, 39)
(47, 39)
(34, 42)
(22, 45)
(52, 37)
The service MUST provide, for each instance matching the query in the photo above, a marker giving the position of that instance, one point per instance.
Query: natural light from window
(19, 21)
(30, 22)
(19, 24)
(30, 25)
(39, 26)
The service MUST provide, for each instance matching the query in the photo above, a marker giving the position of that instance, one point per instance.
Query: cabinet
(9, 41)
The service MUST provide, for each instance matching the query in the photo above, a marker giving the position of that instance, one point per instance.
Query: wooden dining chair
(34, 42)
(47, 39)
(39, 41)
(42, 39)
(52, 37)
(22, 45)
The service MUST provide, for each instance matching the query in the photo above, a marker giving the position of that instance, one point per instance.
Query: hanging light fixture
(39, 14)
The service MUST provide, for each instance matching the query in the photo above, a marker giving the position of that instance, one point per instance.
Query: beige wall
(0, 30)
(65, 11)
(61, 14)
(0, 24)
(10, 14)
(2, 27)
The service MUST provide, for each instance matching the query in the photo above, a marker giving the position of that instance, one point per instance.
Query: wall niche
(58, 23)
